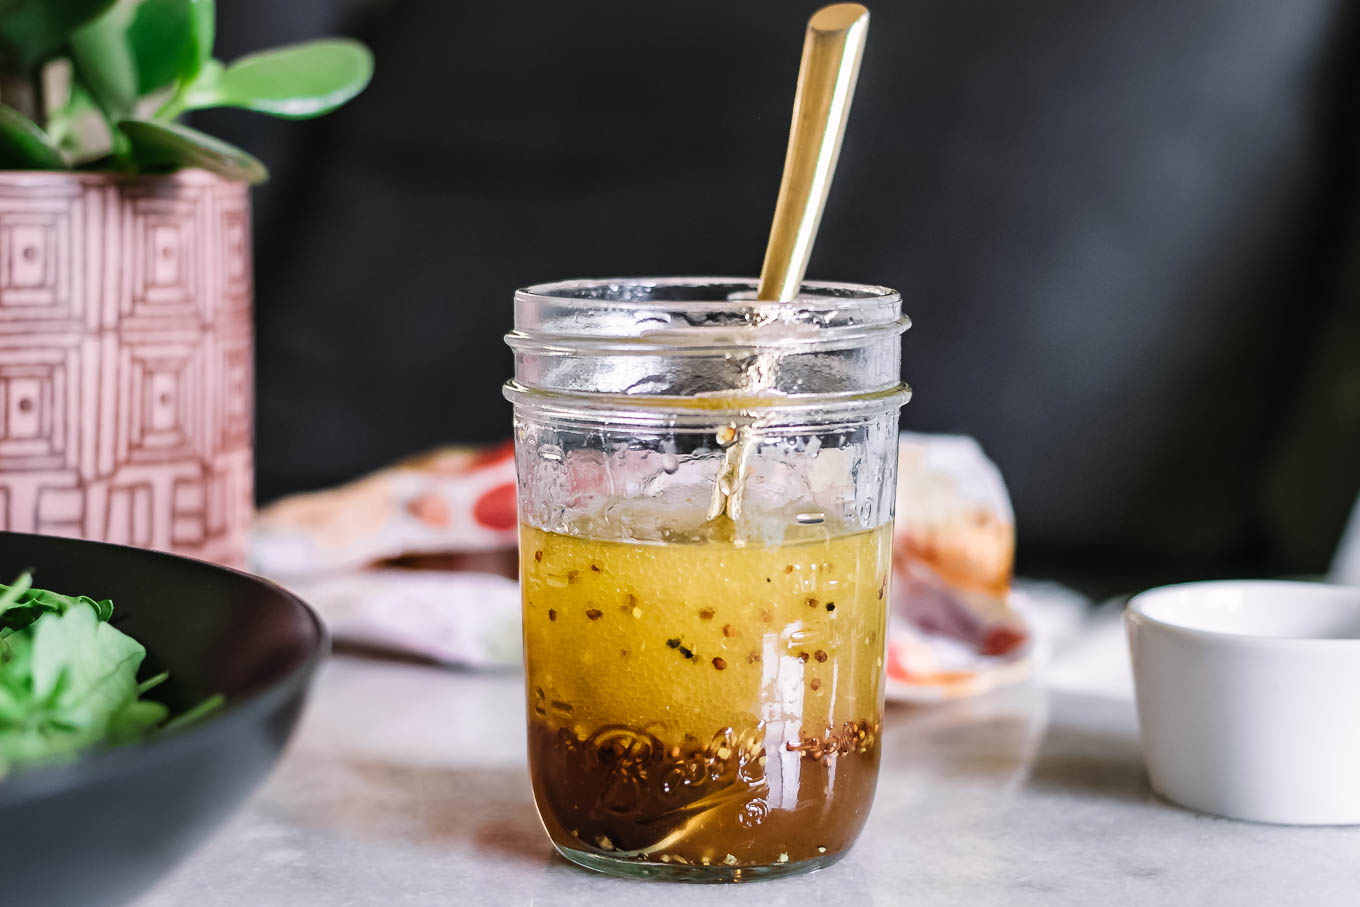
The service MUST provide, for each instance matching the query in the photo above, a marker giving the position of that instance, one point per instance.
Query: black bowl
(102, 829)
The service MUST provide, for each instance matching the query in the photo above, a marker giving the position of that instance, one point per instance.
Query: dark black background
(1126, 233)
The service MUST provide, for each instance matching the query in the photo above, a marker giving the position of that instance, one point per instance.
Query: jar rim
(610, 291)
(608, 344)
(698, 315)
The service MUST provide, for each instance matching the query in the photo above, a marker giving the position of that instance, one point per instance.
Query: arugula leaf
(135, 720)
(85, 668)
(68, 679)
(195, 713)
(21, 605)
(12, 594)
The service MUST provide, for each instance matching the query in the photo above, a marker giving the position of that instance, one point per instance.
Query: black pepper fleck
(719, 664)
(819, 655)
(594, 613)
(552, 614)
(831, 606)
(673, 643)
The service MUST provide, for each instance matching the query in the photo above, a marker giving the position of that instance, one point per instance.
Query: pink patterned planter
(126, 359)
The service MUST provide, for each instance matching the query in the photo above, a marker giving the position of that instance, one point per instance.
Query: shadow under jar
(706, 486)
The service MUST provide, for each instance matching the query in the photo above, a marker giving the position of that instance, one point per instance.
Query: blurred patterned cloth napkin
(419, 559)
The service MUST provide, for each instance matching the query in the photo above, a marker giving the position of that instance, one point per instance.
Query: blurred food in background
(419, 558)
(452, 501)
(954, 629)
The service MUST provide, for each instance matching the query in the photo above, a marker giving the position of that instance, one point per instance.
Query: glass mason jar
(706, 485)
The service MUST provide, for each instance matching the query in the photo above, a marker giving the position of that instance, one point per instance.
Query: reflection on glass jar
(706, 486)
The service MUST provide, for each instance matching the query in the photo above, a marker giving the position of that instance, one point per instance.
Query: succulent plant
(100, 84)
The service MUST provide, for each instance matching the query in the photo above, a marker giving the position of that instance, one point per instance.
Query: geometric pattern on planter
(126, 360)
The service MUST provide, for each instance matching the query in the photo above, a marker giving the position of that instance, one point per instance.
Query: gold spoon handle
(832, 50)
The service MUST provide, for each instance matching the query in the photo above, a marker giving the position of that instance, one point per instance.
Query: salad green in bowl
(135, 716)
(69, 679)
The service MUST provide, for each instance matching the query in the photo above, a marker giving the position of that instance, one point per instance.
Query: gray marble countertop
(407, 785)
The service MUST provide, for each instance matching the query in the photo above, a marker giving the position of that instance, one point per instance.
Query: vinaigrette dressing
(705, 685)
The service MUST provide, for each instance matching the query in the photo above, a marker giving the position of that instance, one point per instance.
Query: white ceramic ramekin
(1249, 698)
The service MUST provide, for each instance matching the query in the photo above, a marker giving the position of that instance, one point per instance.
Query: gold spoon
(832, 50)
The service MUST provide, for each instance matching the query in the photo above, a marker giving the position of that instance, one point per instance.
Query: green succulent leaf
(33, 30)
(140, 46)
(169, 146)
(23, 144)
(104, 62)
(203, 17)
(295, 82)
(170, 40)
